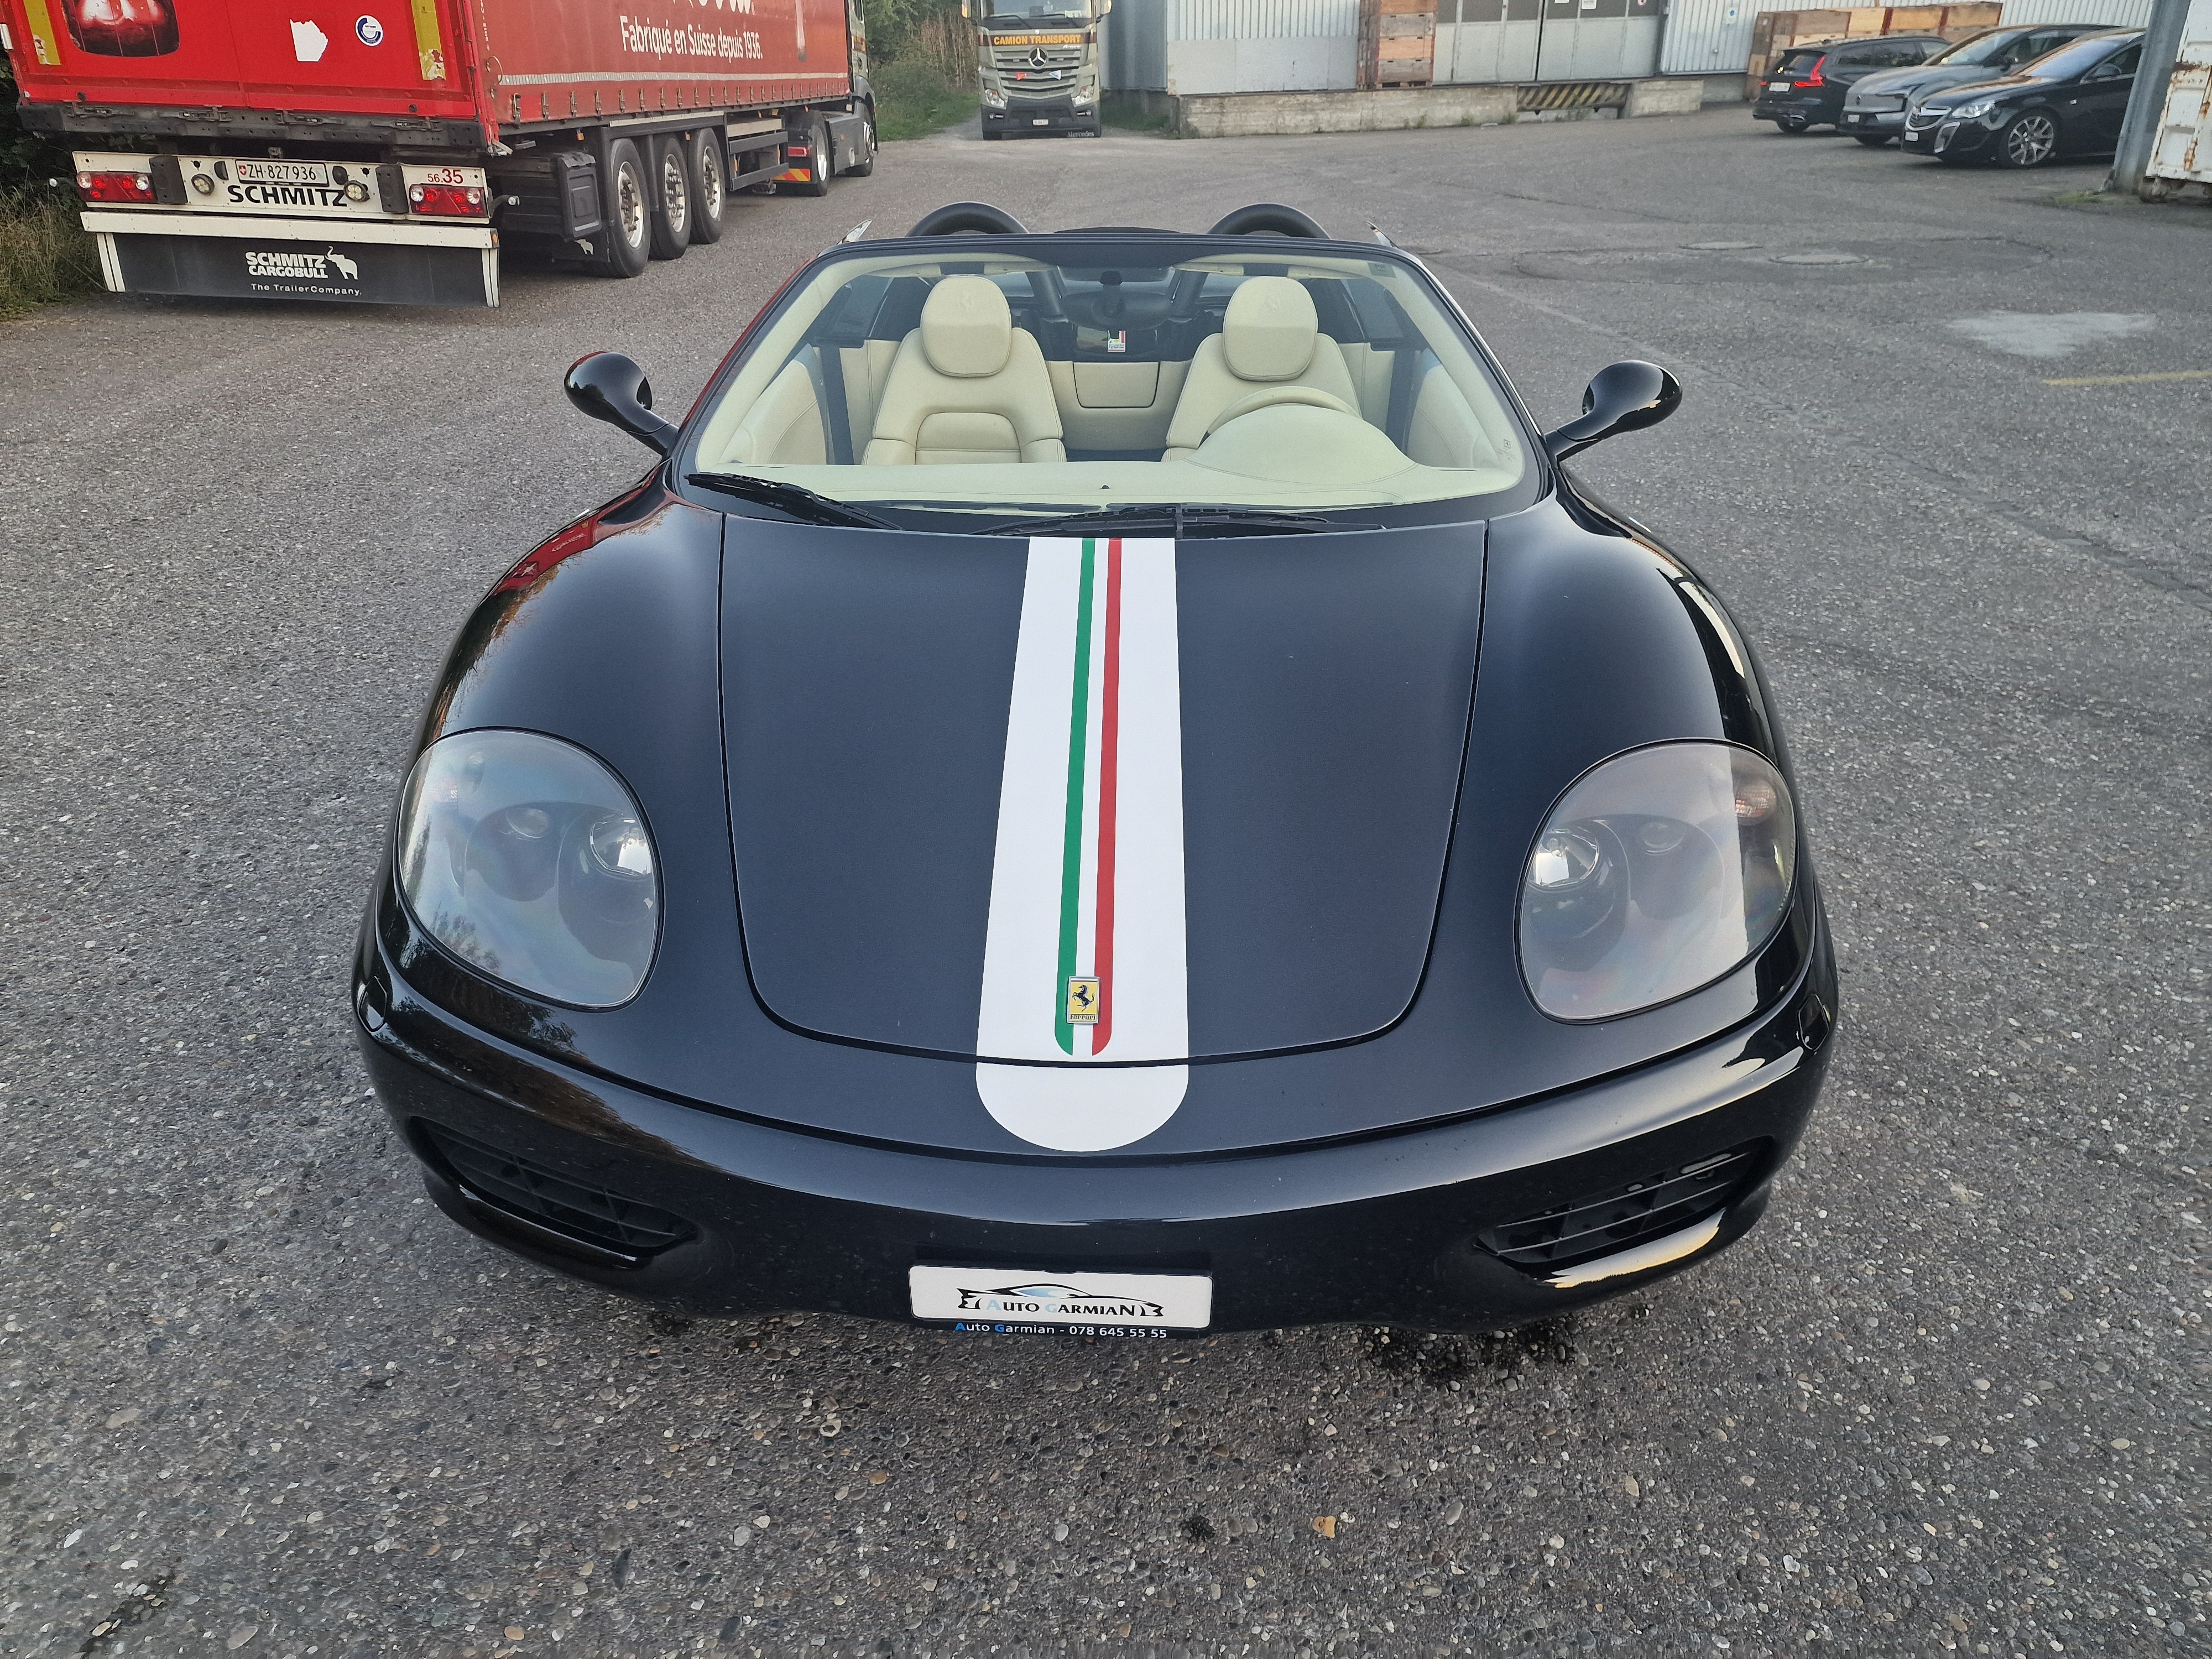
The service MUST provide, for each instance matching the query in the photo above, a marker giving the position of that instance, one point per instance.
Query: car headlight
(528, 859)
(1972, 111)
(1658, 872)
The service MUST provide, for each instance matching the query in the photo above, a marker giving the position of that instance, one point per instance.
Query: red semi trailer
(384, 150)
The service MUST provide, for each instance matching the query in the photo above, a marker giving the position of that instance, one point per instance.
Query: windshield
(1036, 8)
(2068, 62)
(1979, 49)
(967, 379)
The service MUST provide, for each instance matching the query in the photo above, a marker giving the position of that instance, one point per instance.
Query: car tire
(1872, 140)
(816, 182)
(867, 164)
(710, 187)
(671, 198)
(2029, 139)
(625, 241)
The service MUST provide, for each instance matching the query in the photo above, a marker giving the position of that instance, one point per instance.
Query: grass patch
(45, 255)
(914, 99)
(1120, 110)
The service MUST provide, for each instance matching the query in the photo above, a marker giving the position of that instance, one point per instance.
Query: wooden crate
(1773, 32)
(1397, 43)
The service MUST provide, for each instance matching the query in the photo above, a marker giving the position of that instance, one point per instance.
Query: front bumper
(1040, 115)
(1388, 1229)
(1952, 140)
(1871, 121)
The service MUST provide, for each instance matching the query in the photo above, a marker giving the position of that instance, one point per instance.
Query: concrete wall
(1246, 114)
(1684, 96)
(1238, 115)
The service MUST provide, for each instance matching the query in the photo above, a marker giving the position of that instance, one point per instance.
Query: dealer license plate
(1015, 1301)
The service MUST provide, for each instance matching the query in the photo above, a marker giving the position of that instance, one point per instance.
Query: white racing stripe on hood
(1084, 961)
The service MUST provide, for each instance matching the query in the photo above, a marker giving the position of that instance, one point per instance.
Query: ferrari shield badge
(1083, 1002)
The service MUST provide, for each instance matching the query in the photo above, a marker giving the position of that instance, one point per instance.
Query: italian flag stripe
(1084, 958)
(1071, 867)
(1110, 737)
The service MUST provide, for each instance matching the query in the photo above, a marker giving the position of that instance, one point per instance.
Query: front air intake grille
(591, 1215)
(1036, 61)
(1603, 1224)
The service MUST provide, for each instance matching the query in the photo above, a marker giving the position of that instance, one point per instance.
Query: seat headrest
(967, 331)
(1269, 331)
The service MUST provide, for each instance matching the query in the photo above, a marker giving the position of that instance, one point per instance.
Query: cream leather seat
(967, 386)
(1270, 337)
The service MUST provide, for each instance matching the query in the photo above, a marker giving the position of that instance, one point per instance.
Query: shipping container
(2181, 151)
(233, 146)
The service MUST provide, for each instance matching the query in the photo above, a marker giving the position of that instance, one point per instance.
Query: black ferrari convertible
(1106, 781)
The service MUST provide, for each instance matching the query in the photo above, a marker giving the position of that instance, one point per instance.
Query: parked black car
(2068, 103)
(1874, 109)
(1807, 85)
(1093, 893)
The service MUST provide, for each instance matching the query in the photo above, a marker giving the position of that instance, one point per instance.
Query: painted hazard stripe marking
(1084, 955)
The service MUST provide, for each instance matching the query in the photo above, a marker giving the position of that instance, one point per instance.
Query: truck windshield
(977, 378)
(1036, 8)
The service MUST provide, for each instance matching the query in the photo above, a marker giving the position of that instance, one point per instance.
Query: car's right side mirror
(1622, 397)
(608, 386)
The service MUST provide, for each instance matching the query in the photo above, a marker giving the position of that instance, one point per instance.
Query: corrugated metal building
(1713, 37)
(1310, 45)
(1232, 45)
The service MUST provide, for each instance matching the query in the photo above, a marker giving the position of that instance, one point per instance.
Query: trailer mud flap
(232, 265)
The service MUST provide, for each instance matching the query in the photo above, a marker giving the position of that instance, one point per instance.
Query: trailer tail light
(797, 152)
(133, 187)
(448, 201)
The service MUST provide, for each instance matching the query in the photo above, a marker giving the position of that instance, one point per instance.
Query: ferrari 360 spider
(1107, 782)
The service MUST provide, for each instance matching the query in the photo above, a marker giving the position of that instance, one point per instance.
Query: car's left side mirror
(1622, 397)
(608, 386)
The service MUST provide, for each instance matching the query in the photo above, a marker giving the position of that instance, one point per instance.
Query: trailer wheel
(627, 241)
(867, 164)
(672, 199)
(709, 186)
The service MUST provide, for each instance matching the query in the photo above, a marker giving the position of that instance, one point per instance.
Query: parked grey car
(1874, 109)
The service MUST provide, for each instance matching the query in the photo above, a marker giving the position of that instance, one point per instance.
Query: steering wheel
(1268, 396)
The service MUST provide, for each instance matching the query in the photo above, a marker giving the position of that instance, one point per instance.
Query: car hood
(1059, 802)
(1920, 78)
(1961, 92)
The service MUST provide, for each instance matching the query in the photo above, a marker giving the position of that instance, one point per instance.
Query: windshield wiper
(796, 500)
(1181, 522)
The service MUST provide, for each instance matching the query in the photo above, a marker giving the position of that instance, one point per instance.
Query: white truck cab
(1039, 62)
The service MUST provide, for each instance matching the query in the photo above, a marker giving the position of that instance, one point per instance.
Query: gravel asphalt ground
(261, 1398)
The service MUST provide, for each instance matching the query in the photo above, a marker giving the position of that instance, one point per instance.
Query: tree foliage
(26, 158)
